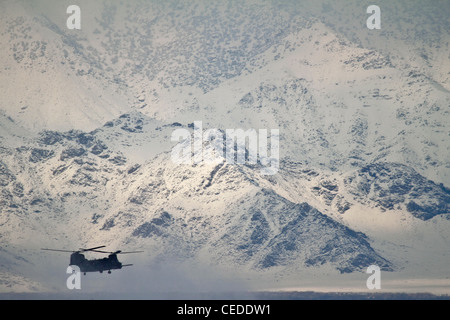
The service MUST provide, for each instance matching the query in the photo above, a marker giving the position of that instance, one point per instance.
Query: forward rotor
(94, 249)
(116, 252)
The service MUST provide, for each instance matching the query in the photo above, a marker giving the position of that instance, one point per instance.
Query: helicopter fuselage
(96, 265)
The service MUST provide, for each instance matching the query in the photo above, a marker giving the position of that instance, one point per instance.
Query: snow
(345, 105)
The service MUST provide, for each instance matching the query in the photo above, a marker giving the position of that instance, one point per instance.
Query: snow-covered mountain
(86, 120)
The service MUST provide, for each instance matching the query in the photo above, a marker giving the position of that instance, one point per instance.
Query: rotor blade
(100, 251)
(110, 252)
(90, 249)
(126, 265)
(129, 252)
(58, 250)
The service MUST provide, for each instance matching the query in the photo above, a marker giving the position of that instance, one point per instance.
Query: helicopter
(96, 265)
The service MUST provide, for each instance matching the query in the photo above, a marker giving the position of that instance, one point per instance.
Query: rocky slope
(87, 117)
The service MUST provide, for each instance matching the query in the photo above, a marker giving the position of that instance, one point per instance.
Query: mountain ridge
(87, 119)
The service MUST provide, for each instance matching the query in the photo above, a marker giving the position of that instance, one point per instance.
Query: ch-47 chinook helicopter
(97, 265)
